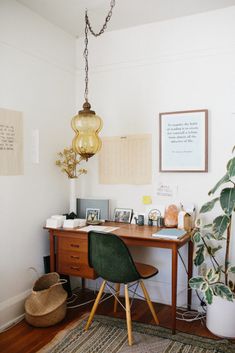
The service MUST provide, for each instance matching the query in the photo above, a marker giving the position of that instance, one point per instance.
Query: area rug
(109, 335)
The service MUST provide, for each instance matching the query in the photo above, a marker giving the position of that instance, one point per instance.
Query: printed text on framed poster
(183, 141)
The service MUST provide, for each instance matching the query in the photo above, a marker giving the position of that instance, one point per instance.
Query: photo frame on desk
(123, 215)
(183, 141)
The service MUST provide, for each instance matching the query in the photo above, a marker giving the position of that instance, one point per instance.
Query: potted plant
(68, 163)
(211, 242)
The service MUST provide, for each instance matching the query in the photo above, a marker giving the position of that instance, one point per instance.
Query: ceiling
(69, 14)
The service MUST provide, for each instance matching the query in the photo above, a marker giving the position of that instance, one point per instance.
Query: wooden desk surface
(132, 235)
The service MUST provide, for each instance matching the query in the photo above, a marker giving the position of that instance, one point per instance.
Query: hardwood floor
(24, 338)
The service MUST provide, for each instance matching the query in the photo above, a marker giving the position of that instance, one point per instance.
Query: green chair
(112, 261)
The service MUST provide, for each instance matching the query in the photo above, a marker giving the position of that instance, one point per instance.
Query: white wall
(37, 77)
(180, 64)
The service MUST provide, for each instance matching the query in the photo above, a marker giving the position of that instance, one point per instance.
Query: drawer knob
(75, 268)
(75, 257)
(75, 245)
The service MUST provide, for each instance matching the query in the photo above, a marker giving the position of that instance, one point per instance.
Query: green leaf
(223, 291)
(220, 225)
(209, 295)
(231, 167)
(233, 149)
(196, 282)
(199, 258)
(204, 286)
(227, 200)
(212, 276)
(232, 269)
(207, 225)
(209, 205)
(197, 237)
(209, 236)
(223, 180)
(214, 250)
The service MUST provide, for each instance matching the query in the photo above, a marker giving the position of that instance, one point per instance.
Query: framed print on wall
(183, 141)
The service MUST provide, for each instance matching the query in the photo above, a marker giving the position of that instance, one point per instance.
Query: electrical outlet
(202, 269)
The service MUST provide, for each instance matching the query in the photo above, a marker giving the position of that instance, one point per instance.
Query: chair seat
(145, 270)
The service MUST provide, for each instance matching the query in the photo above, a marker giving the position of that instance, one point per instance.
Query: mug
(139, 220)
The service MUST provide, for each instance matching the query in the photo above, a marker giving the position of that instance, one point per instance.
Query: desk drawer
(73, 257)
(80, 270)
(72, 244)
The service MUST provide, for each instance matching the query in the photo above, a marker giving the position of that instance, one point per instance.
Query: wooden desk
(72, 252)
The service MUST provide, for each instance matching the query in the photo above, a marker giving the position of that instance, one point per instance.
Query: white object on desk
(59, 217)
(54, 223)
(73, 223)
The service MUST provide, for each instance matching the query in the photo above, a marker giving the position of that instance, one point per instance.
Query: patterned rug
(109, 335)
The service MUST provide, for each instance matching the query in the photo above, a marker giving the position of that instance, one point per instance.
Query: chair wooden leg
(95, 306)
(128, 316)
(115, 299)
(149, 302)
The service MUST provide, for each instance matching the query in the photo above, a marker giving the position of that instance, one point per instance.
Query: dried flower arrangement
(68, 163)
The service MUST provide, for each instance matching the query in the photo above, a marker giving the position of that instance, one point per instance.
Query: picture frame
(92, 215)
(183, 141)
(123, 215)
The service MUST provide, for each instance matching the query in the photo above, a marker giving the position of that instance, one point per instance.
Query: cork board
(11, 142)
(126, 160)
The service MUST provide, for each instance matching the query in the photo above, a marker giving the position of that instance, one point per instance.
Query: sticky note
(147, 200)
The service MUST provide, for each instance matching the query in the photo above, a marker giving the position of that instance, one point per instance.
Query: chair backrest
(110, 258)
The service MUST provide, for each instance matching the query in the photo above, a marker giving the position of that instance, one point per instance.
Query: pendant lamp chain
(86, 124)
(87, 29)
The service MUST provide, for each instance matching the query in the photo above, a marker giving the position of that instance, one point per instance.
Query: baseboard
(12, 309)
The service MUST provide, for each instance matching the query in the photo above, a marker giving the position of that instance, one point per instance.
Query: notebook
(170, 233)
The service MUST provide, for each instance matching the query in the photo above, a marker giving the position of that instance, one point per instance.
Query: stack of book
(170, 233)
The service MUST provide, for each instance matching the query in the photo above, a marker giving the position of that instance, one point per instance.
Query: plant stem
(211, 256)
(227, 251)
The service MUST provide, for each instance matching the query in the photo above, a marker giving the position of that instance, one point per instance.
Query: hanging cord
(89, 28)
(190, 315)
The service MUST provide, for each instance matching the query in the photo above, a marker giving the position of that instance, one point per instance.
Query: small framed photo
(183, 141)
(92, 215)
(123, 215)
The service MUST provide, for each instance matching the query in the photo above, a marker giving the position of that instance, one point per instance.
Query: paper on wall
(11, 142)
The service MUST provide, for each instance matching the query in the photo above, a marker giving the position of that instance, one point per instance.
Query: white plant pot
(220, 318)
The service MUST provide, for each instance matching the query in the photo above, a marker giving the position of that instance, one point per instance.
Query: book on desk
(170, 233)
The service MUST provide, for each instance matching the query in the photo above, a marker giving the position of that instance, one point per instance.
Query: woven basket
(46, 305)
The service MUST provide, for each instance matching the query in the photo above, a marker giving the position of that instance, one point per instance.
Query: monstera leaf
(227, 200)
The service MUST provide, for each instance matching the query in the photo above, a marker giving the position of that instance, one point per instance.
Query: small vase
(72, 195)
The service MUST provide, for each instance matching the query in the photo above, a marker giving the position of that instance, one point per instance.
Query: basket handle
(61, 281)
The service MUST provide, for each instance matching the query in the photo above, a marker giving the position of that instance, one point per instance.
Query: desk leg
(174, 286)
(52, 251)
(190, 271)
